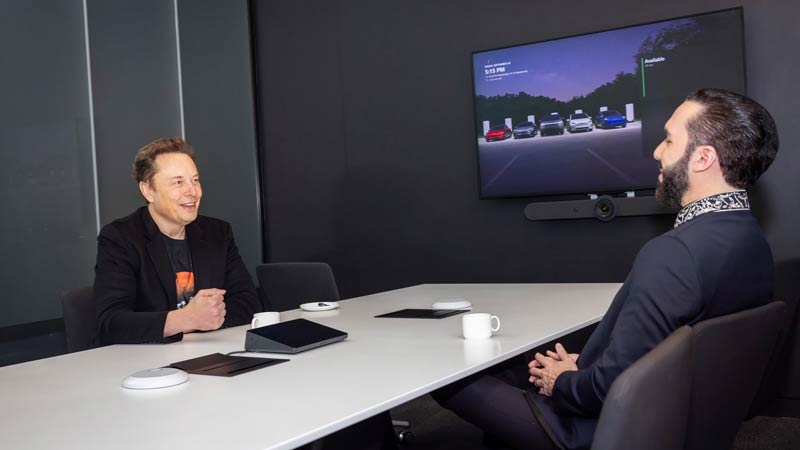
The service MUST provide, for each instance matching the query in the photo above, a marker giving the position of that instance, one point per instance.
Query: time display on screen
(494, 70)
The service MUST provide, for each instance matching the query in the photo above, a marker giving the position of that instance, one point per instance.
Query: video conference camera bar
(603, 208)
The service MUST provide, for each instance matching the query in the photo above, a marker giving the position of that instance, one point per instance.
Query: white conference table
(75, 401)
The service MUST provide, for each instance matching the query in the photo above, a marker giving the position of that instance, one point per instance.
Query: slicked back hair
(741, 130)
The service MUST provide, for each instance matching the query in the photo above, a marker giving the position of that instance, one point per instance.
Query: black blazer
(715, 264)
(134, 284)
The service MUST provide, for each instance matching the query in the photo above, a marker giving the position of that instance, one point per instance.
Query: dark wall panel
(135, 91)
(773, 71)
(219, 114)
(370, 160)
(47, 235)
(302, 126)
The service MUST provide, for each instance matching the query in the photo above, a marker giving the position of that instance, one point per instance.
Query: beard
(674, 182)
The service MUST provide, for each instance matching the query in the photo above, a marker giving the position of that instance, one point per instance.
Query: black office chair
(729, 357)
(80, 320)
(286, 286)
(647, 405)
(782, 378)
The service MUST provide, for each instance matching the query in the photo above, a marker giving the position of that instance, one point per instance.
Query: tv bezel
(560, 195)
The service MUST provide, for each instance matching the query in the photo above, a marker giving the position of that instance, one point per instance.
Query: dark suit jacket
(134, 284)
(712, 265)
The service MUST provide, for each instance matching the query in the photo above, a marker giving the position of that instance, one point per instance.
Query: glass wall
(49, 225)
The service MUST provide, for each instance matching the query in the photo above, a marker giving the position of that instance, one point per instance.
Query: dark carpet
(434, 427)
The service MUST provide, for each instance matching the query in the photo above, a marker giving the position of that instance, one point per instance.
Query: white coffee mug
(265, 318)
(479, 325)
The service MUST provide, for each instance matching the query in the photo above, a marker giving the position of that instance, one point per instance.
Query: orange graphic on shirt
(184, 285)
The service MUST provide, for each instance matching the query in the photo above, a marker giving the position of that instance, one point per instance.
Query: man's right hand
(206, 311)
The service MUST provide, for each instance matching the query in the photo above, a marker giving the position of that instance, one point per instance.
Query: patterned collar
(726, 201)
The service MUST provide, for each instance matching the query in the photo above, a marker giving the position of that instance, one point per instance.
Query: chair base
(403, 431)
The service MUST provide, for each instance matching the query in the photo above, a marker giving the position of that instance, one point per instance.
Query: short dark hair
(144, 164)
(741, 130)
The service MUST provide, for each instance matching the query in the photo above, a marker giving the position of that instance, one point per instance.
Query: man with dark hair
(742, 133)
(164, 270)
(715, 261)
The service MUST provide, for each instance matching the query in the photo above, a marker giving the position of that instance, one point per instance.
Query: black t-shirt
(181, 259)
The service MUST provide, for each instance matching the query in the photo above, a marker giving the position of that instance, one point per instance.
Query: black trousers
(493, 400)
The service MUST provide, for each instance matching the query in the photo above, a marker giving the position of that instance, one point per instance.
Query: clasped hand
(545, 369)
(206, 310)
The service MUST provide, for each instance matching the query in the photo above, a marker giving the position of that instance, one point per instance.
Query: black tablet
(292, 336)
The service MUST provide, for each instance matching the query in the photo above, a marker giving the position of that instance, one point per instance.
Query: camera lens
(604, 209)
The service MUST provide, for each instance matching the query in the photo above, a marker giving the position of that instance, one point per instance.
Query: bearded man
(715, 261)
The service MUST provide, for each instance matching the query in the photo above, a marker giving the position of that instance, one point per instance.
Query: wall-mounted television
(583, 114)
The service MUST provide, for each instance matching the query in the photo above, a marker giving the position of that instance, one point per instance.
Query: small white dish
(319, 306)
(453, 304)
(157, 378)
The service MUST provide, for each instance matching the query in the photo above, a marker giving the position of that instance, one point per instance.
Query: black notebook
(223, 365)
(422, 313)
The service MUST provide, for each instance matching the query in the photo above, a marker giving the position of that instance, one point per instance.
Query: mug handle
(494, 330)
(253, 323)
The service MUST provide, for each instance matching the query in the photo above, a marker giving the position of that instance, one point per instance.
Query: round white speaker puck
(456, 303)
(155, 378)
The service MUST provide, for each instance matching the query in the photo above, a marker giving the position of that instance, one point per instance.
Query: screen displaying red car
(599, 101)
(498, 133)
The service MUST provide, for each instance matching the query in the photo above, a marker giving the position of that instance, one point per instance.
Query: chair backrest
(782, 378)
(286, 286)
(729, 356)
(648, 404)
(80, 319)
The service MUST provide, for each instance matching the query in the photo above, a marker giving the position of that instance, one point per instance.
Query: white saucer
(453, 304)
(155, 378)
(319, 306)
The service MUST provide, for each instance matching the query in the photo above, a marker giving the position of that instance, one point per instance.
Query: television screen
(583, 114)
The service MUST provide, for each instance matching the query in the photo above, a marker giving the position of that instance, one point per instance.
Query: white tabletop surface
(76, 401)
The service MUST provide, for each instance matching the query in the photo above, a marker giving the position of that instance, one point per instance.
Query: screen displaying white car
(579, 122)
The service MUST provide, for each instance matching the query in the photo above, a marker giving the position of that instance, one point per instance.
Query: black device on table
(292, 336)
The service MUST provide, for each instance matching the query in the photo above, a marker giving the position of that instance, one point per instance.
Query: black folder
(423, 313)
(223, 365)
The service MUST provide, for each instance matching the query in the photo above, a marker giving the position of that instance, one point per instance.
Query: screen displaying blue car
(610, 119)
(598, 102)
